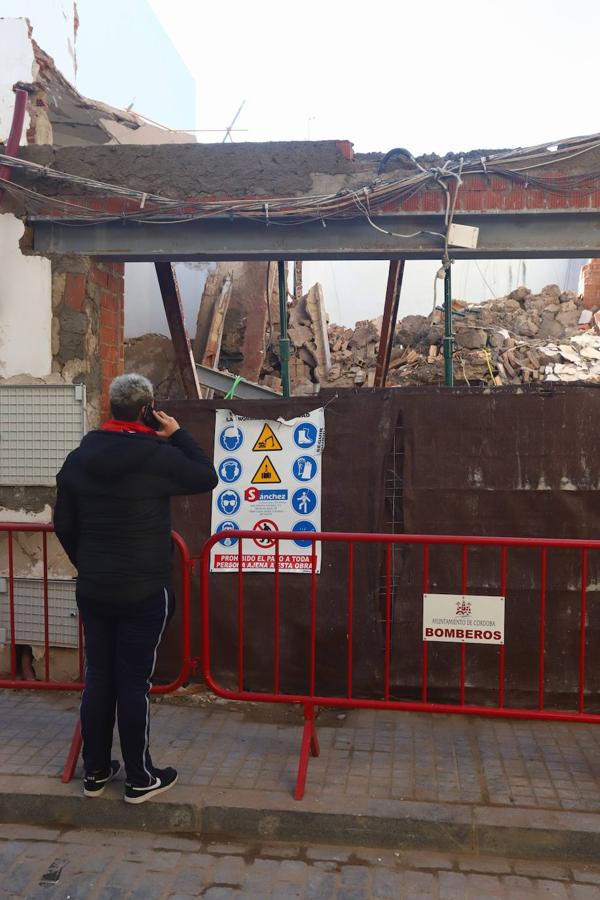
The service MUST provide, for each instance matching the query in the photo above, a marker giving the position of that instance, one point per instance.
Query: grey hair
(130, 391)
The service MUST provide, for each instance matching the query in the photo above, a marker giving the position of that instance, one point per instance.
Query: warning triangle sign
(267, 440)
(266, 473)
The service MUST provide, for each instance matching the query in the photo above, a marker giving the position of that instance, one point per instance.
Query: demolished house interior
(88, 204)
(257, 189)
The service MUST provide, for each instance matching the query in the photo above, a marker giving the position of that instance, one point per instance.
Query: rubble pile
(510, 340)
(517, 339)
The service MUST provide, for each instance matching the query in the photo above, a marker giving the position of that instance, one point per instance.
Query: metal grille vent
(39, 425)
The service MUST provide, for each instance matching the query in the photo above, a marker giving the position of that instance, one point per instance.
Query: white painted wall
(356, 290)
(25, 306)
(53, 28)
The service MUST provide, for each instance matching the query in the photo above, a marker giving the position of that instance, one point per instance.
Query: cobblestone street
(43, 864)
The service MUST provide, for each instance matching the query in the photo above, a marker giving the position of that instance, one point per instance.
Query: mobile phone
(149, 419)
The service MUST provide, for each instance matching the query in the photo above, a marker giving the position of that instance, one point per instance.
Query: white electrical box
(465, 236)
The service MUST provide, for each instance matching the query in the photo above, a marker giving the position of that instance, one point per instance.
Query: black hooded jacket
(112, 513)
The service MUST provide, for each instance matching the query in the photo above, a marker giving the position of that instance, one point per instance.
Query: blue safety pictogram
(228, 540)
(230, 469)
(305, 468)
(305, 435)
(304, 526)
(304, 501)
(231, 438)
(228, 502)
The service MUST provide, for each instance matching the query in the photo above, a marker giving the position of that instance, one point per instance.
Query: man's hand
(169, 424)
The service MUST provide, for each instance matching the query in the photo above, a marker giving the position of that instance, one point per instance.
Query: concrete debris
(520, 338)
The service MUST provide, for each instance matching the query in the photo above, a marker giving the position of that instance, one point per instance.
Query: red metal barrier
(312, 698)
(45, 683)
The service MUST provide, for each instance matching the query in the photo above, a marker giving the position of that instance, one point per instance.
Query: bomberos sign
(463, 618)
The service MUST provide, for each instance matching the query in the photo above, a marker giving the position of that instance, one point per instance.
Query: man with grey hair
(112, 517)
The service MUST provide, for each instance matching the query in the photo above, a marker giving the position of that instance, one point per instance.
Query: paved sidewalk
(474, 773)
(40, 864)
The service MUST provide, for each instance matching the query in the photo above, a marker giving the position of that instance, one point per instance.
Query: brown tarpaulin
(510, 461)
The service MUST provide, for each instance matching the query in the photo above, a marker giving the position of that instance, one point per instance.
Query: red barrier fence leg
(73, 756)
(308, 747)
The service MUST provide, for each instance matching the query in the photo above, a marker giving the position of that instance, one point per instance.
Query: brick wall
(109, 278)
(88, 327)
(479, 194)
(589, 284)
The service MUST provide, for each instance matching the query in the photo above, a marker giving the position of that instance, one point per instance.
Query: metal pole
(16, 130)
(284, 344)
(179, 336)
(388, 325)
(448, 336)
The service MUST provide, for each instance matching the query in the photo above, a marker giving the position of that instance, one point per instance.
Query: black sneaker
(163, 780)
(93, 785)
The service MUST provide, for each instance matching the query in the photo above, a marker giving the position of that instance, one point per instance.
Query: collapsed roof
(61, 116)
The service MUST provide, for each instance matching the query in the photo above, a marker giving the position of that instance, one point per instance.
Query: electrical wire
(490, 289)
(140, 206)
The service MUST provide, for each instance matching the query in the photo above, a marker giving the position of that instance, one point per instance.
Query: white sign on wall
(463, 619)
(269, 480)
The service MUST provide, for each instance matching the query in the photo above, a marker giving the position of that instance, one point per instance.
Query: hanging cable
(519, 166)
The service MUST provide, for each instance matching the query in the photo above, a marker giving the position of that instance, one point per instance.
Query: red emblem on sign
(251, 494)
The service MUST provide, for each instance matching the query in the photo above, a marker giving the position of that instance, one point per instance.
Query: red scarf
(118, 425)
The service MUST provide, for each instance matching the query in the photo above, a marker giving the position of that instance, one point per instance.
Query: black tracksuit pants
(120, 657)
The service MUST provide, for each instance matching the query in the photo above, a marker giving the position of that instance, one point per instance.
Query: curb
(462, 828)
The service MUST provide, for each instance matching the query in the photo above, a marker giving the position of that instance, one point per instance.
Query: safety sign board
(269, 481)
(463, 619)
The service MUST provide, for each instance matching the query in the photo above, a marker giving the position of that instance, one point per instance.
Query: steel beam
(388, 325)
(501, 235)
(179, 335)
(223, 382)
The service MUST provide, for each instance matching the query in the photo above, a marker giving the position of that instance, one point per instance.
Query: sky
(428, 76)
